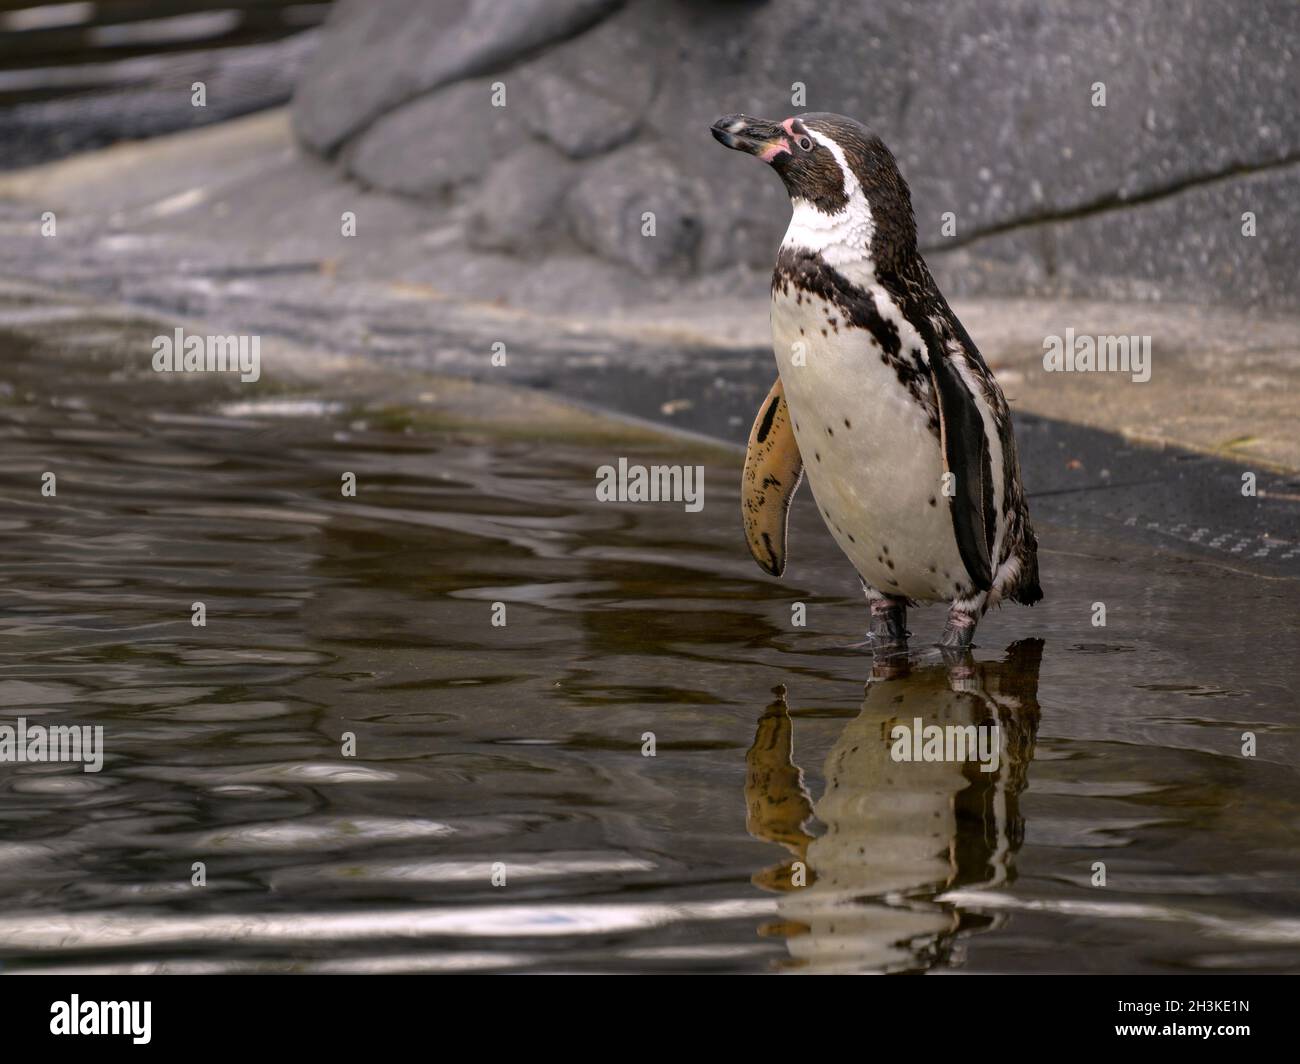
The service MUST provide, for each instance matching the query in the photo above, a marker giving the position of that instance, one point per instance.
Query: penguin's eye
(805, 143)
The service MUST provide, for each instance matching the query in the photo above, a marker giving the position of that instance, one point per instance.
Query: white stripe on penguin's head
(842, 238)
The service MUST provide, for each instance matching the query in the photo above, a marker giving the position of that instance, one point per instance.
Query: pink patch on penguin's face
(777, 147)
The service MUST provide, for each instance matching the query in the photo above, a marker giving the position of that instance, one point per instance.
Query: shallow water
(521, 747)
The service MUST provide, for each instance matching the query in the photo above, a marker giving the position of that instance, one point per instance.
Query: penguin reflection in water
(859, 897)
(882, 397)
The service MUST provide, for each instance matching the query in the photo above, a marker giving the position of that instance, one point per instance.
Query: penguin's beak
(756, 136)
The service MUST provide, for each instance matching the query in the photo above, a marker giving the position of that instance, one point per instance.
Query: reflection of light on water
(195, 27)
(281, 408)
(104, 929)
(46, 17)
(323, 834)
(1264, 929)
(470, 872)
(388, 963)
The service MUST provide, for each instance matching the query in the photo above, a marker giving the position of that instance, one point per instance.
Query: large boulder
(519, 207)
(381, 55)
(636, 208)
(435, 142)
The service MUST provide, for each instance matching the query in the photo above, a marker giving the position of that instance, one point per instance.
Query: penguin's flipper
(773, 469)
(966, 457)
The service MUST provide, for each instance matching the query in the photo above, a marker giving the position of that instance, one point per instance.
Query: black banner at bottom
(348, 1013)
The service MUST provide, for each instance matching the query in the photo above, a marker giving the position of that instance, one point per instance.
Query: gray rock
(576, 119)
(589, 95)
(988, 107)
(521, 202)
(443, 139)
(1184, 248)
(610, 207)
(1191, 90)
(379, 56)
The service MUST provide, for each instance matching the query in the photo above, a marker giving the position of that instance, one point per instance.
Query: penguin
(882, 398)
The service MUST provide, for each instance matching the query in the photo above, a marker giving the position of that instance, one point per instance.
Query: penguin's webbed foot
(959, 632)
(888, 629)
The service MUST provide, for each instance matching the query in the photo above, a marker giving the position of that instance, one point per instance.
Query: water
(520, 747)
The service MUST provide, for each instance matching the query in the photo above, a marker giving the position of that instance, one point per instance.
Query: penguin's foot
(888, 629)
(959, 632)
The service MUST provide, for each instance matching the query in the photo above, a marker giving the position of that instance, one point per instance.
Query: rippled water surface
(519, 748)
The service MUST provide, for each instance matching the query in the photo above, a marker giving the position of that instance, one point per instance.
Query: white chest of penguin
(874, 466)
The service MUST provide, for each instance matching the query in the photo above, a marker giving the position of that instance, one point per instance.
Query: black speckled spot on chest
(806, 275)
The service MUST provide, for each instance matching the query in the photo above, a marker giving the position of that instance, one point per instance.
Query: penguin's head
(842, 180)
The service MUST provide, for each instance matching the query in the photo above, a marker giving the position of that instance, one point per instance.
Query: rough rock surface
(382, 55)
(435, 142)
(635, 207)
(590, 95)
(520, 206)
(991, 109)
